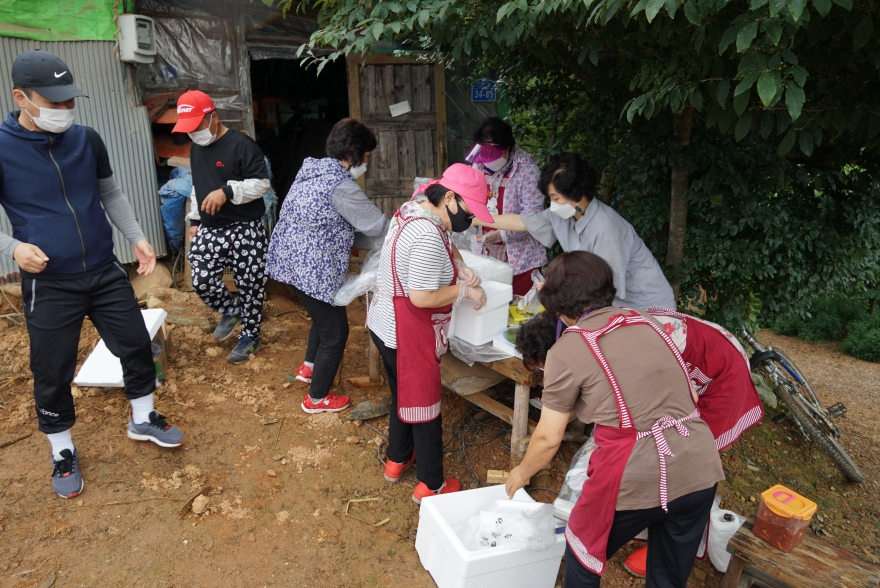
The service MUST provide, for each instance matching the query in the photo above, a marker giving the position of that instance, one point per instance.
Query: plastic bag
(357, 284)
(470, 354)
(467, 241)
(722, 526)
(516, 524)
(530, 303)
(575, 478)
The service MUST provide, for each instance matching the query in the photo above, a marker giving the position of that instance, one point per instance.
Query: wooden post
(734, 571)
(373, 361)
(681, 133)
(520, 425)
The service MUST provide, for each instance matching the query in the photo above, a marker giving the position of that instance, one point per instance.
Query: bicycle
(813, 419)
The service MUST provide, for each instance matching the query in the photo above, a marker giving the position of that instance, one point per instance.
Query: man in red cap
(229, 181)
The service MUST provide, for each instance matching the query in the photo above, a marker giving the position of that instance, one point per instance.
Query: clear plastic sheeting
(358, 284)
(530, 303)
(471, 354)
(194, 50)
(515, 524)
(574, 481)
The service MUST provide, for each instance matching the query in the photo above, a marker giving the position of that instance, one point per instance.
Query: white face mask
(53, 120)
(358, 170)
(204, 137)
(496, 165)
(563, 211)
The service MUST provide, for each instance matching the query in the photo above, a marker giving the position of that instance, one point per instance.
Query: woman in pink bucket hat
(421, 275)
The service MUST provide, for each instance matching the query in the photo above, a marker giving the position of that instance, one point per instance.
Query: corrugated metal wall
(124, 128)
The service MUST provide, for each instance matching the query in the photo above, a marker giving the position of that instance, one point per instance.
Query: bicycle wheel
(826, 439)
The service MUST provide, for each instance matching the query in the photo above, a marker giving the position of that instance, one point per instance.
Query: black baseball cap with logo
(45, 74)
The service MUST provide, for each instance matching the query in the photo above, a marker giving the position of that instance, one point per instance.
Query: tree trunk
(606, 190)
(681, 132)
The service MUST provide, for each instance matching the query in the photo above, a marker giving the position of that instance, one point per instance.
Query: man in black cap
(55, 185)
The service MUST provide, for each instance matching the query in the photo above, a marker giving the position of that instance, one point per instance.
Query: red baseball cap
(192, 107)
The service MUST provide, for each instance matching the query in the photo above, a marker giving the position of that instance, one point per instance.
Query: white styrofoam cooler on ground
(102, 369)
(452, 565)
(479, 326)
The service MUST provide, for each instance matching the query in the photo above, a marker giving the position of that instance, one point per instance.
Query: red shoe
(394, 470)
(330, 403)
(304, 374)
(637, 562)
(450, 485)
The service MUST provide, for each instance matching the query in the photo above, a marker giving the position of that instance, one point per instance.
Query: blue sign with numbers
(483, 90)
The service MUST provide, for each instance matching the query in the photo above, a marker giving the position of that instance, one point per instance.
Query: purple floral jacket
(521, 194)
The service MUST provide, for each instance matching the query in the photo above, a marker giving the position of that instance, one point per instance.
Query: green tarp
(61, 20)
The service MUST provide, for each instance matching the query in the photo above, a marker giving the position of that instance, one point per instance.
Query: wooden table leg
(520, 425)
(373, 361)
(734, 571)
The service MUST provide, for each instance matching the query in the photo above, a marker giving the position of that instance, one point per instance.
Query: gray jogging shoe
(67, 482)
(226, 327)
(156, 430)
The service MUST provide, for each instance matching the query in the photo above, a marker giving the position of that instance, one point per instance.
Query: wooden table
(813, 564)
(472, 382)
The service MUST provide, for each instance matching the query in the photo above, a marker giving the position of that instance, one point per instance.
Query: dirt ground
(280, 479)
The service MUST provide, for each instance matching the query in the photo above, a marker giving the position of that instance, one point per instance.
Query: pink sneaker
(330, 403)
(304, 374)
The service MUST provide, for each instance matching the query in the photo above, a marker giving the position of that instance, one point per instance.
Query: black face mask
(461, 220)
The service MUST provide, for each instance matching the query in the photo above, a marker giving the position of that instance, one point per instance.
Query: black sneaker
(67, 482)
(156, 430)
(243, 350)
(226, 327)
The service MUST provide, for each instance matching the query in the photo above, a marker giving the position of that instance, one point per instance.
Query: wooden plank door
(410, 145)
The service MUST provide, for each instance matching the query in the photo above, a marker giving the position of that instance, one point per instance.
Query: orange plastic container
(783, 517)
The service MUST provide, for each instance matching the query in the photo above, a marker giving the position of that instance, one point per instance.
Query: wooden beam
(440, 94)
(514, 369)
(497, 409)
(353, 71)
(520, 424)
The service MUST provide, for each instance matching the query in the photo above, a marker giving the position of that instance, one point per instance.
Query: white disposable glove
(490, 237)
(470, 277)
(476, 294)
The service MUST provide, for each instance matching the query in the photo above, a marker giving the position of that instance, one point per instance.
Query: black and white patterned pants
(241, 247)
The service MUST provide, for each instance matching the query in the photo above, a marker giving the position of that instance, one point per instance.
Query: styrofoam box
(452, 565)
(487, 267)
(480, 326)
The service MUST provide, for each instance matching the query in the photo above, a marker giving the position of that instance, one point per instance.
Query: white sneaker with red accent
(330, 403)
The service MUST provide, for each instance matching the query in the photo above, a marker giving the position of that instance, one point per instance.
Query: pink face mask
(485, 154)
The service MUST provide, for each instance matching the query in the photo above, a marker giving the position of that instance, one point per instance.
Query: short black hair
(436, 193)
(576, 281)
(572, 176)
(496, 131)
(535, 338)
(349, 140)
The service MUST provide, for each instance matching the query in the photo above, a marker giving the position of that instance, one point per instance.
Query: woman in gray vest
(311, 247)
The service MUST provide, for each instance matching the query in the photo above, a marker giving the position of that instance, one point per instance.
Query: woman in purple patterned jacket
(512, 176)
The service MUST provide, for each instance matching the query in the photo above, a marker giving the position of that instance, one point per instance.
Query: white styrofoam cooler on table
(479, 326)
(102, 369)
(487, 267)
(452, 565)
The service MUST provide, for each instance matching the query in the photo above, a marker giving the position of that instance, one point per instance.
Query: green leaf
(862, 32)
(639, 7)
(799, 74)
(424, 15)
(671, 7)
(504, 11)
(822, 6)
(786, 144)
(789, 56)
(794, 100)
(767, 87)
(743, 125)
(696, 99)
(652, 8)
(376, 30)
(583, 55)
(806, 143)
(692, 12)
(740, 103)
(722, 91)
(746, 84)
(767, 124)
(756, 4)
(782, 122)
(796, 8)
(727, 38)
(776, 6)
(745, 36)
(845, 4)
(774, 30)
(594, 56)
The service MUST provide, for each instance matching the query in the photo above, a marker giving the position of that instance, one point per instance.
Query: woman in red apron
(421, 276)
(656, 465)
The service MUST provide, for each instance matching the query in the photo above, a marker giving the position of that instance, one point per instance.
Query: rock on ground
(160, 278)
